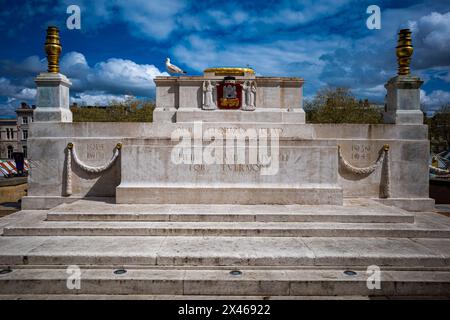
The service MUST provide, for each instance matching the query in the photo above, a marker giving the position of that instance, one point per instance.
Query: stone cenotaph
(229, 137)
(228, 193)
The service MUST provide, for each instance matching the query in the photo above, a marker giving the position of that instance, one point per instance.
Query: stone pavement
(173, 251)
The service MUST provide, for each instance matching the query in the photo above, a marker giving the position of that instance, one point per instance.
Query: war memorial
(229, 193)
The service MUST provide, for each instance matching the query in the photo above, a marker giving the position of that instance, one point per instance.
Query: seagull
(173, 69)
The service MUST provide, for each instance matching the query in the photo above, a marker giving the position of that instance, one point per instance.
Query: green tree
(439, 129)
(338, 105)
(129, 110)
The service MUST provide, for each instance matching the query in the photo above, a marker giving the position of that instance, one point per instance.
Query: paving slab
(438, 246)
(229, 251)
(101, 250)
(376, 251)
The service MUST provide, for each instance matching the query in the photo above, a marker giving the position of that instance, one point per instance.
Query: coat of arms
(229, 94)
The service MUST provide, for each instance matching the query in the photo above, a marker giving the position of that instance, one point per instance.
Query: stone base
(403, 100)
(410, 204)
(404, 117)
(135, 193)
(52, 98)
(52, 115)
(272, 115)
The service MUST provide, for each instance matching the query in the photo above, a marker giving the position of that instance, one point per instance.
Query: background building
(14, 132)
(8, 138)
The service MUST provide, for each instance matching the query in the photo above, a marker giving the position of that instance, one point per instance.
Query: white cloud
(114, 76)
(152, 19)
(374, 94)
(432, 40)
(124, 76)
(298, 12)
(73, 60)
(267, 58)
(113, 79)
(295, 58)
(97, 98)
(14, 92)
(435, 99)
(6, 88)
(26, 94)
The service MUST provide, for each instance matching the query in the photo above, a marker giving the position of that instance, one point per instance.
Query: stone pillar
(52, 98)
(403, 100)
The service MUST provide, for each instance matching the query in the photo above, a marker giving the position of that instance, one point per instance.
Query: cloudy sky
(122, 45)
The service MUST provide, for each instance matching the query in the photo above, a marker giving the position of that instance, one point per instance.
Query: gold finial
(119, 146)
(386, 147)
(53, 49)
(70, 145)
(404, 51)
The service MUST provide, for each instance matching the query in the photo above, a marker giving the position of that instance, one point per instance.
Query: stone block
(52, 98)
(403, 100)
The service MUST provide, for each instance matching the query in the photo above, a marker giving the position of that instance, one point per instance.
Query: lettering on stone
(197, 167)
(361, 152)
(284, 157)
(241, 168)
(95, 151)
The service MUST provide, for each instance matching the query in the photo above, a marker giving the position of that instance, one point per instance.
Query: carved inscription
(238, 168)
(361, 152)
(95, 151)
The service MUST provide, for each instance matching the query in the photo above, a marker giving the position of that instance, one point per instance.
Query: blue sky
(122, 45)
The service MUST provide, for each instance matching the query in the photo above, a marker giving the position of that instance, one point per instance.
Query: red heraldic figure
(229, 94)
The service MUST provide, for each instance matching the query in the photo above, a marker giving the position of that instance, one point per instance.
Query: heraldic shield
(229, 94)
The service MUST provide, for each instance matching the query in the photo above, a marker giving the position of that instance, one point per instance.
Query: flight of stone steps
(265, 251)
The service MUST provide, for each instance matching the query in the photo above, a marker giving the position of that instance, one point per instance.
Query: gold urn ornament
(404, 51)
(53, 49)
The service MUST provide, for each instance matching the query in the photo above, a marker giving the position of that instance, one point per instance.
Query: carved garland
(72, 154)
(383, 159)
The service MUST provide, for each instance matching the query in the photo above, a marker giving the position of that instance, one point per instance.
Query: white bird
(173, 69)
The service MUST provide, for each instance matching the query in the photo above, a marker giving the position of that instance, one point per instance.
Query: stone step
(260, 229)
(91, 211)
(245, 194)
(191, 297)
(253, 282)
(223, 251)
